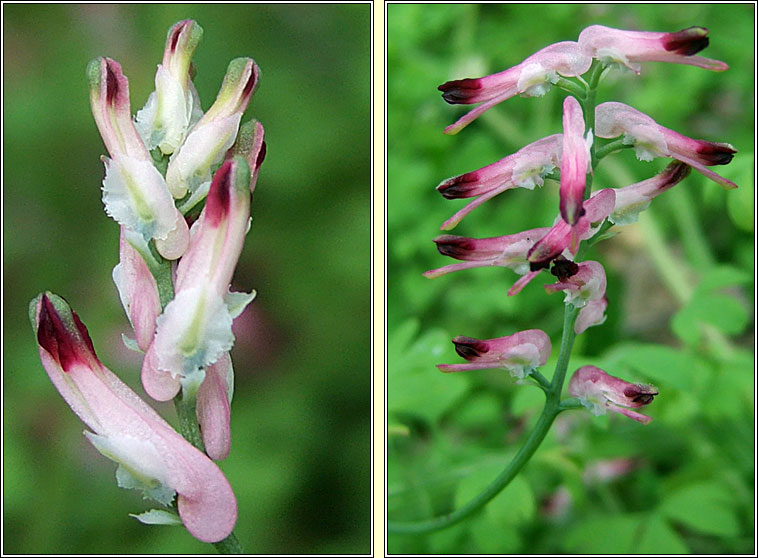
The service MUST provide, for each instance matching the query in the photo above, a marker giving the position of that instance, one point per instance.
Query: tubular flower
(195, 329)
(174, 106)
(134, 192)
(599, 392)
(653, 140)
(575, 161)
(207, 142)
(150, 454)
(504, 251)
(524, 169)
(633, 199)
(532, 78)
(584, 285)
(138, 291)
(519, 353)
(627, 48)
(251, 145)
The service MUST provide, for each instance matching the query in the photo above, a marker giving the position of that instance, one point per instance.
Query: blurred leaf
(740, 203)
(609, 534)
(660, 364)
(657, 537)
(494, 538)
(705, 507)
(514, 505)
(415, 386)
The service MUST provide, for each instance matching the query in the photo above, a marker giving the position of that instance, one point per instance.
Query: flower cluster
(571, 157)
(179, 183)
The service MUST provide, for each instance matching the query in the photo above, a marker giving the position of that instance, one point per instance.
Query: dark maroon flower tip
(458, 187)
(673, 174)
(59, 341)
(687, 41)
(458, 247)
(111, 84)
(218, 203)
(563, 268)
(640, 393)
(716, 153)
(252, 81)
(460, 91)
(539, 264)
(175, 34)
(470, 348)
(261, 156)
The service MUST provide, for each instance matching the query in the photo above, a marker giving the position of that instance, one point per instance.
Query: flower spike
(628, 48)
(600, 392)
(650, 140)
(532, 78)
(150, 454)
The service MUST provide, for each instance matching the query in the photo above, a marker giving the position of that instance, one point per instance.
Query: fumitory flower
(584, 285)
(599, 392)
(174, 106)
(207, 142)
(151, 455)
(134, 191)
(627, 48)
(650, 140)
(524, 169)
(632, 199)
(519, 353)
(575, 161)
(531, 78)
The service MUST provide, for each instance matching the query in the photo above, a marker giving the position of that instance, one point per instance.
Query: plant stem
(533, 441)
(609, 148)
(185, 410)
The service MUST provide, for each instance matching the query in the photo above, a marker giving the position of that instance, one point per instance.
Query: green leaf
(659, 364)
(513, 506)
(416, 387)
(740, 203)
(705, 507)
(492, 538)
(657, 537)
(607, 534)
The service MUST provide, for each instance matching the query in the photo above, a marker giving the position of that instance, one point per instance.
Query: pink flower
(195, 329)
(519, 353)
(504, 251)
(575, 161)
(629, 47)
(524, 169)
(633, 199)
(174, 107)
(208, 141)
(532, 78)
(584, 285)
(137, 288)
(653, 140)
(134, 191)
(599, 392)
(151, 455)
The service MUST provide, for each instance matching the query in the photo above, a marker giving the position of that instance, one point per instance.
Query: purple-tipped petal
(575, 161)
(519, 353)
(628, 48)
(591, 314)
(129, 431)
(532, 77)
(600, 392)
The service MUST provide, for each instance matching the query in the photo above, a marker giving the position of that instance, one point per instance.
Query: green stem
(611, 147)
(575, 89)
(185, 410)
(533, 441)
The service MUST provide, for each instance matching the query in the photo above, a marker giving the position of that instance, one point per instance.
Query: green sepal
(157, 517)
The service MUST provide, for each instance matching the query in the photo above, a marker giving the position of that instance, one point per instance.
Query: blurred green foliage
(300, 460)
(680, 286)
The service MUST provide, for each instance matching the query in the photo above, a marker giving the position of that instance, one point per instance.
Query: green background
(680, 286)
(300, 459)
